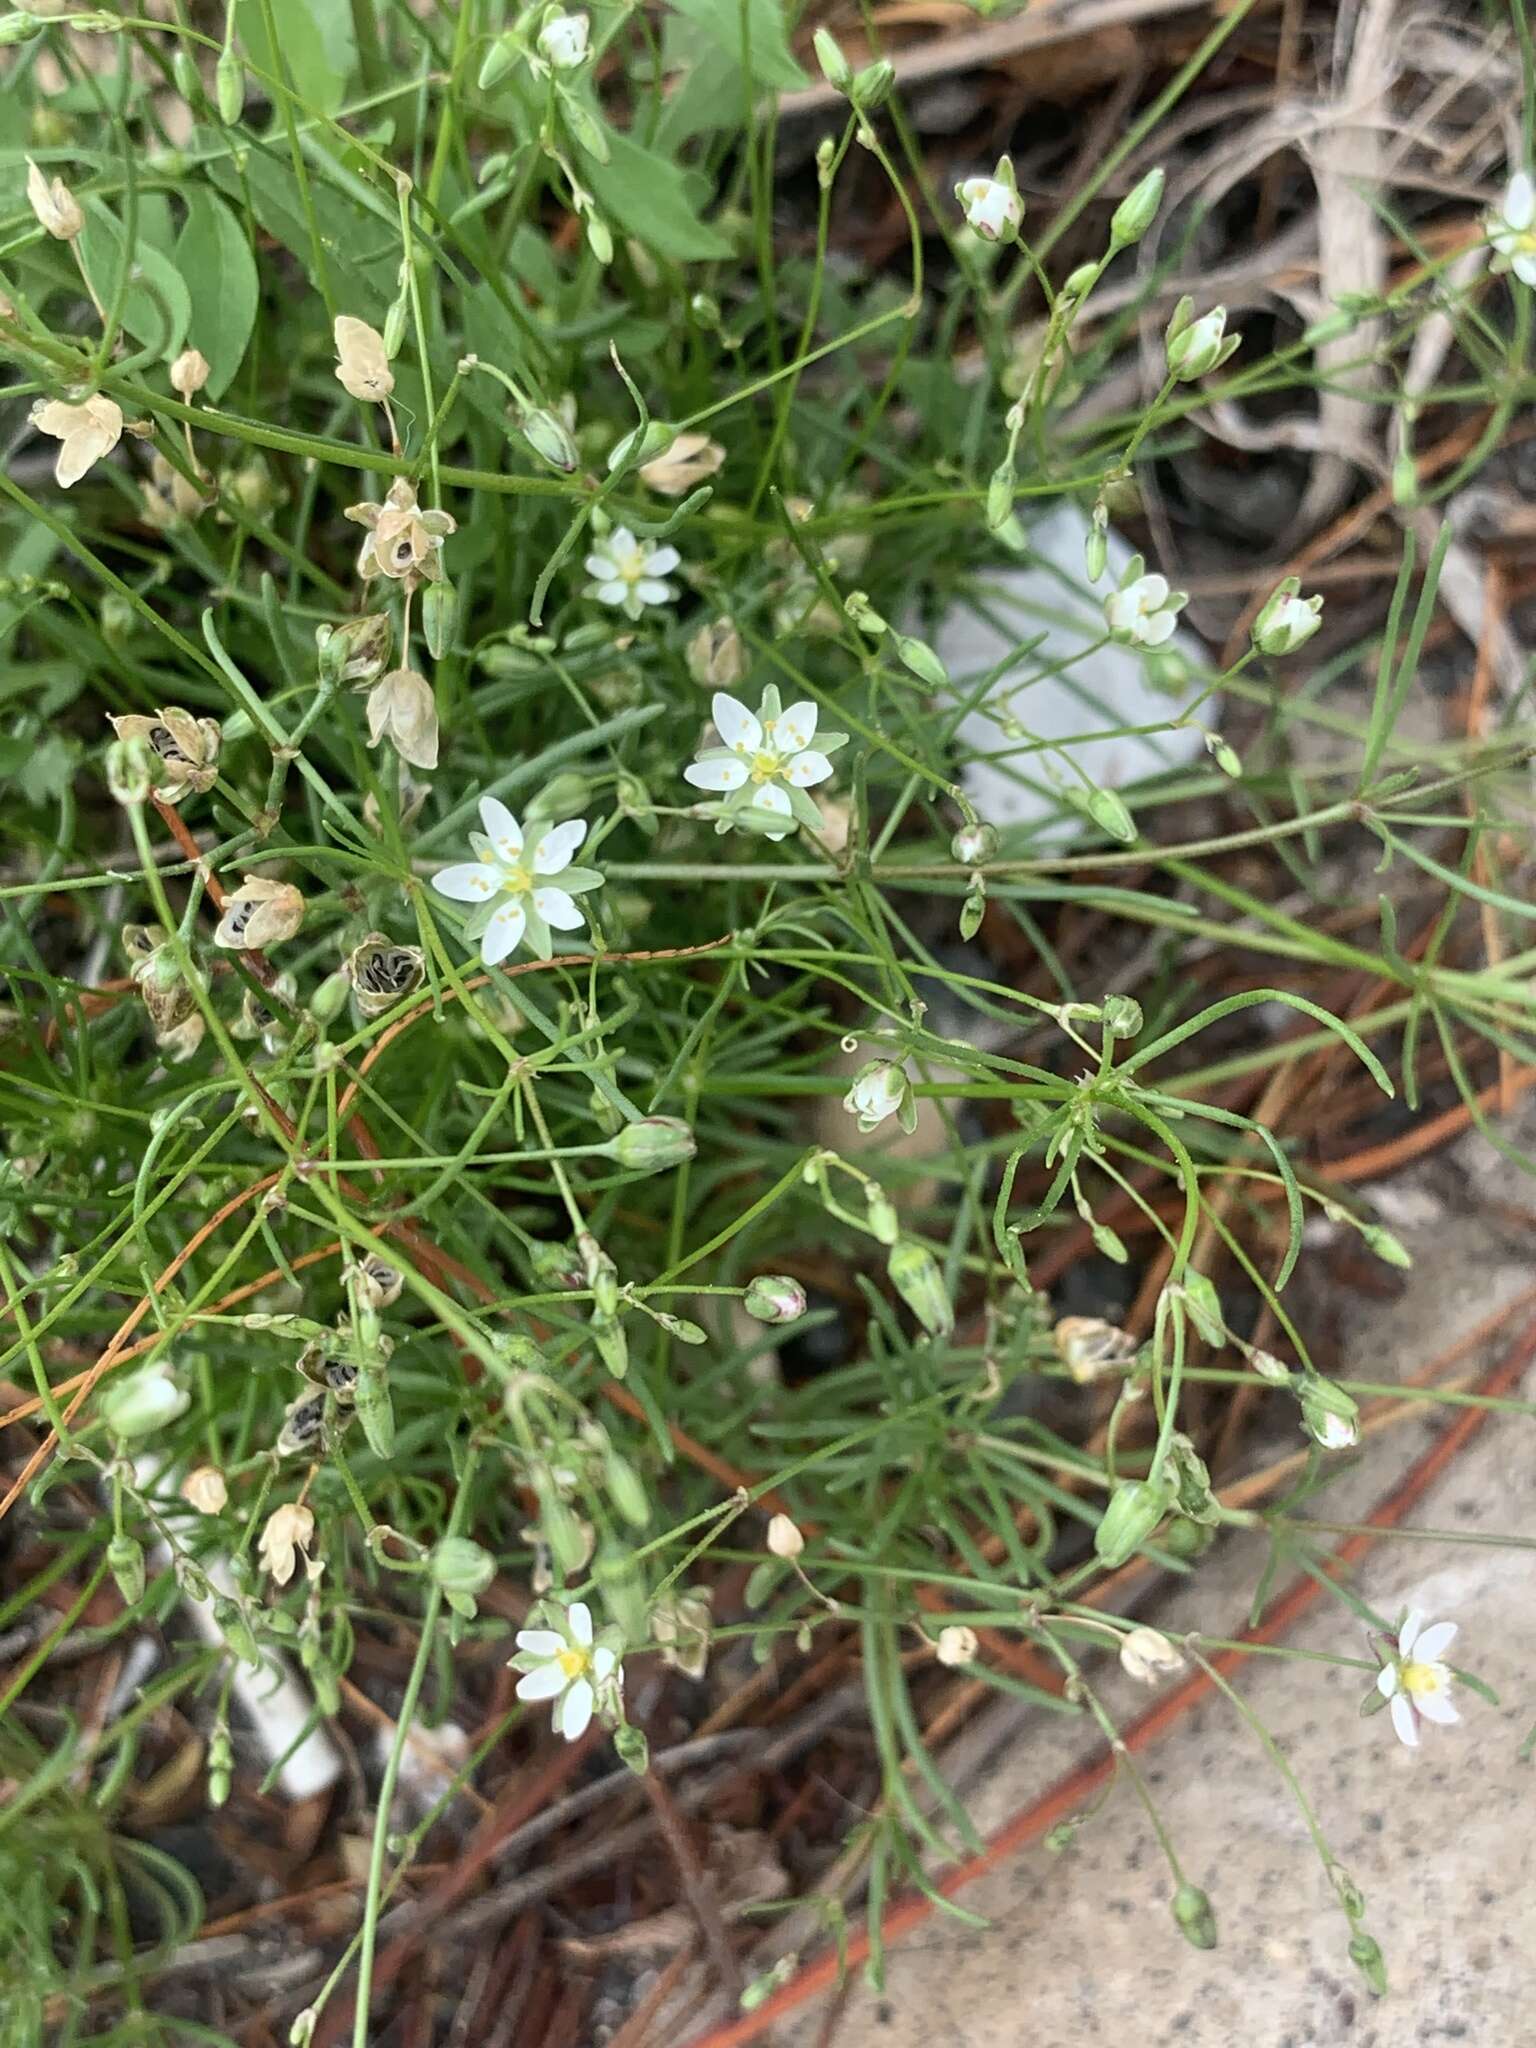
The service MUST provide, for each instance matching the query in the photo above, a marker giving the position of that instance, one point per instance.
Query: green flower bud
(554, 1265)
(498, 61)
(1196, 347)
(549, 438)
(1204, 1305)
(922, 661)
(1080, 282)
(1226, 757)
(1096, 546)
(1330, 1416)
(20, 27)
(632, 1748)
(1108, 813)
(236, 1631)
(125, 1561)
(612, 1344)
(973, 843)
(653, 1144)
(626, 1489)
(871, 87)
(1186, 1538)
(1135, 1508)
(1120, 1017)
(229, 86)
(774, 1298)
(1000, 489)
(972, 911)
(141, 1403)
(1196, 1916)
(641, 445)
(439, 616)
(329, 999)
(835, 68)
(1287, 621)
(1369, 1961)
(184, 72)
(600, 1273)
(394, 326)
(884, 1222)
(460, 1567)
(566, 795)
(1136, 212)
(1386, 1245)
(914, 1273)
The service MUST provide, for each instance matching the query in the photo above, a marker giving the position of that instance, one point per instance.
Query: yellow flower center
(516, 880)
(1422, 1678)
(573, 1664)
(631, 566)
(764, 767)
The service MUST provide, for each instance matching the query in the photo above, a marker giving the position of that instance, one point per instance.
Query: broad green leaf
(215, 258)
(361, 255)
(318, 43)
(155, 308)
(647, 196)
(752, 34)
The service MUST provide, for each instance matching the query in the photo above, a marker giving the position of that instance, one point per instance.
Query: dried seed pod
(382, 974)
(376, 1281)
(302, 1425)
(341, 1379)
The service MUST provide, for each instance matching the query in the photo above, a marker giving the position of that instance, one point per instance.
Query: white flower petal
(651, 592)
(539, 1642)
(1152, 590)
(602, 566)
(660, 561)
(726, 774)
(1433, 1642)
(613, 593)
(558, 909)
(503, 933)
(1404, 1722)
(795, 728)
(736, 725)
(578, 1619)
(807, 769)
(1408, 1634)
(603, 1663)
(1156, 629)
(575, 1711)
(556, 849)
(1524, 267)
(471, 881)
(501, 828)
(771, 798)
(621, 544)
(1519, 207)
(1437, 1706)
(544, 1684)
(1386, 1680)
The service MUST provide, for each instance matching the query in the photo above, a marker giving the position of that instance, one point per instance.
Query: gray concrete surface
(1082, 1948)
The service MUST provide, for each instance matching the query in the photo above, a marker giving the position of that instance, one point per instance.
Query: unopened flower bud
(871, 87)
(1137, 211)
(774, 1298)
(1365, 1954)
(920, 658)
(189, 373)
(563, 41)
(653, 1144)
(461, 1568)
(499, 59)
(125, 1561)
(566, 795)
(1121, 1017)
(1078, 283)
(992, 206)
(362, 361)
(229, 86)
(439, 616)
(957, 1645)
(1135, 1508)
(143, 1402)
(1195, 1915)
(626, 1489)
(641, 445)
(601, 1275)
(974, 842)
(784, 1538)
(835, 68)
(549, 438)
(914, 1273)
(19, 27)
(1196, 347)
(1329, 1416)
(204, 1489)
(1288, 620)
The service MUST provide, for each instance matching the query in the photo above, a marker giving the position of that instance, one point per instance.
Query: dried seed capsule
(301, 1425)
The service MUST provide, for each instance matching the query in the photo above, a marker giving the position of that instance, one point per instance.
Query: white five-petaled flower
(1511, 228)
(993, 209)
(767, 757)
(514, 887)
(627, 572)
(1415, 1683)
(1143, 611)
(565, 1665)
